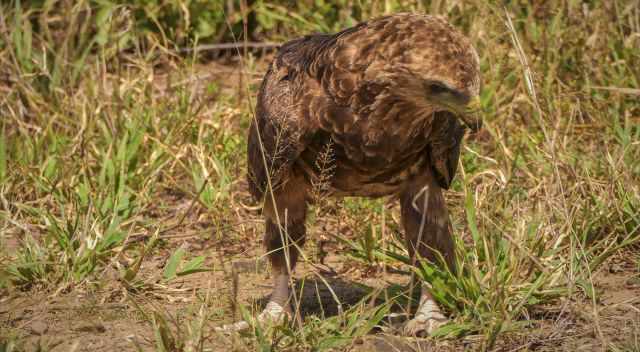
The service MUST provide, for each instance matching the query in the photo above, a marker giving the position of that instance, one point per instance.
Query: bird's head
(439, 71)
(463, 103)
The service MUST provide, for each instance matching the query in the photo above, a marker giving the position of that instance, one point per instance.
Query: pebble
(39, 327)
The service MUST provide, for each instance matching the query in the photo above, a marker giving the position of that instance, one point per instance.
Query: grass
(119, 158)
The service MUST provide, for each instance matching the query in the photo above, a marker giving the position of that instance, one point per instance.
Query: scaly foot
(273, 314)
(428, 318)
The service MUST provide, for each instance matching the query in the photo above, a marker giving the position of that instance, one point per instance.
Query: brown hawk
(389, 98)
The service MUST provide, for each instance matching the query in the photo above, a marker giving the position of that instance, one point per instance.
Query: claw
(422, 325)
(273, 314)
(428, 318)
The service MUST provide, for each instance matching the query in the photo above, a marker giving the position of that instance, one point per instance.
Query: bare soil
(105, 319)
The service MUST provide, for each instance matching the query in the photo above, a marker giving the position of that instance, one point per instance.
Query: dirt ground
(106, 319)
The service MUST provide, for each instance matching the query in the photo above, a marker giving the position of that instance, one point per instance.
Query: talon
(273, 314)
(428, 318)
(422, 326)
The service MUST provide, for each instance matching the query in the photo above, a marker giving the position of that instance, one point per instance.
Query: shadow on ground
(329, 296)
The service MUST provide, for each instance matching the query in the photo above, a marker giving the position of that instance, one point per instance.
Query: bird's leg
(283, 245)
(427, 232)
(284, 236)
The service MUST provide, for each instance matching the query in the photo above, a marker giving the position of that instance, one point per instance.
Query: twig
(623, 90)
(234, 46)
(59, 307)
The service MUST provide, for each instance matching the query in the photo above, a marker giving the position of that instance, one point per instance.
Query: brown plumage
(387, 98)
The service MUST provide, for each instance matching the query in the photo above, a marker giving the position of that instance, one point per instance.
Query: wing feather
(277, 135)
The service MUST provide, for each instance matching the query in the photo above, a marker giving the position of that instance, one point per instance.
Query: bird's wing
(349, 100)
(304, 90)
(278, 134)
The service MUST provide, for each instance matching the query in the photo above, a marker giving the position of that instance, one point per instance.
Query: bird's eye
(437, 88)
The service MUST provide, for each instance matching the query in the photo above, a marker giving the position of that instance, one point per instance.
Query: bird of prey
(391, 99)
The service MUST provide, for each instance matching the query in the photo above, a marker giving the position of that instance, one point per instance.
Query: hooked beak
(470, 114)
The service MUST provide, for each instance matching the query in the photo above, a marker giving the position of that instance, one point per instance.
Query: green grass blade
(171, 269)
